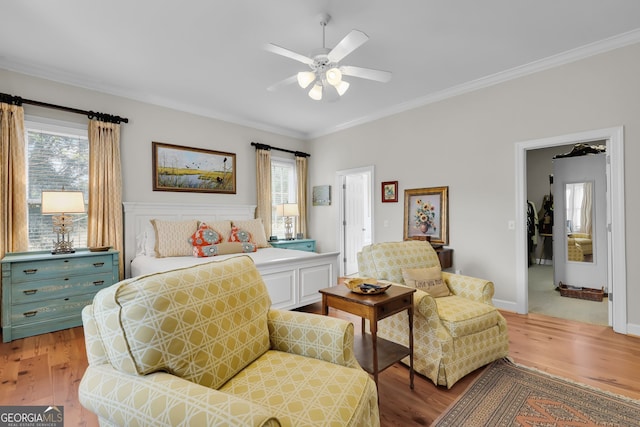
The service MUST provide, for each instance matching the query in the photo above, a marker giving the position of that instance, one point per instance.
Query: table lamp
(287, 210)
(60, 204)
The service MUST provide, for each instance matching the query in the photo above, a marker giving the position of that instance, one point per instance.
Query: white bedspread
(146, 264)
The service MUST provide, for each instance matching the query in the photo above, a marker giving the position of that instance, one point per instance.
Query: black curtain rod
(16, 100)
(268, 147)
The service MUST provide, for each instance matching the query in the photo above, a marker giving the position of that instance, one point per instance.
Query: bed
(292, 277)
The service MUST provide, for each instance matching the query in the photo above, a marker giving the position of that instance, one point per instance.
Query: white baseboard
(633, 329)
(505, 305)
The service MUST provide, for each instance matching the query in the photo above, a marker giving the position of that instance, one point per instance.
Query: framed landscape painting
(426, 215)
(178, 168)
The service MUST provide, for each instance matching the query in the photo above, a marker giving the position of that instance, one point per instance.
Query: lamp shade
(287, 209)
(342, 87)
(56, 202)
(316, 92)
(334, 76)
(305, 78)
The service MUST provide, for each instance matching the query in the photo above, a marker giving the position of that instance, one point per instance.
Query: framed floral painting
(426, 215)
(389, 191)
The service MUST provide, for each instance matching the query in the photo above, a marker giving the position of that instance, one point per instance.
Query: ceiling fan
(326, 72)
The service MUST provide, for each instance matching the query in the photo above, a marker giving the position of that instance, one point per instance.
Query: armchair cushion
(462, 316)
(428, 279)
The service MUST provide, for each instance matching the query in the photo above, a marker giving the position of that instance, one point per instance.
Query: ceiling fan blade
(279, 50)
(366, 73)
(282, 83)
(351, 42)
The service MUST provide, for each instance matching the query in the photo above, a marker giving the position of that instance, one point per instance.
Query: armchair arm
(312, 335)
(162, 399)
(470, 287)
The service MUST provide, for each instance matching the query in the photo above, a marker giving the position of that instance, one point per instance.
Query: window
(575, 202)
(283, 190)
(57, 158)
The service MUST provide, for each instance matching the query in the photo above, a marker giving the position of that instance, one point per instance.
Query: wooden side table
(445, 255)
(384, 353)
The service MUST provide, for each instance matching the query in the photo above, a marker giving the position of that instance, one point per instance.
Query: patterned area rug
(507, 394)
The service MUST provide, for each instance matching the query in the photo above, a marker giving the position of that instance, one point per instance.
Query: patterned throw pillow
(172, 237)
(256, 228)
(240, 235)
(224, 248)
(205, 236)
(426, 279)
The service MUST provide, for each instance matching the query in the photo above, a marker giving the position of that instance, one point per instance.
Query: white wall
(468, 144)
(149, 123)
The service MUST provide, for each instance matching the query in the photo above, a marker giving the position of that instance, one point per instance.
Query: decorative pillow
(426, 279)
(205, 236)
(256, 228)
(224, 248)
(172, 237)
(240, 235)
(223, 227)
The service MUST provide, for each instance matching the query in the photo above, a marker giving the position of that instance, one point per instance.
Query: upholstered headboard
(137, 216)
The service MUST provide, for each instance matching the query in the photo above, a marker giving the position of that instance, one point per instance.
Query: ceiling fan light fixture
(334, 76)
(316, 92)
(342, 87)
(305, 78)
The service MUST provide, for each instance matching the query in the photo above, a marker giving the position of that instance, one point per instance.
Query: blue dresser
(42, 292)
(308, 245)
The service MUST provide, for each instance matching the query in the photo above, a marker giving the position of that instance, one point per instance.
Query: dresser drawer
(49, 310)
(29, 271)
(308, 245)
(302, 246)
(39, 290)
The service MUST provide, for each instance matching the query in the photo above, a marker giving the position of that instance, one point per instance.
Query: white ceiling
(207, 56)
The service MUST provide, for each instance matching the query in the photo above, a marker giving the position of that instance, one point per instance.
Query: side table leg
(411, 372)
(373, 327)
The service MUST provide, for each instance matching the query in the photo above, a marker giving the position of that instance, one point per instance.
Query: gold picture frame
(426, 215)
(178, 168)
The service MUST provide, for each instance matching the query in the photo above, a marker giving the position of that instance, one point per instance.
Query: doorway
(549, 171)
(616, 274)
(355, 196)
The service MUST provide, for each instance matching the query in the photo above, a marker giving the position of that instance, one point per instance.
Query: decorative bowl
(366, 285)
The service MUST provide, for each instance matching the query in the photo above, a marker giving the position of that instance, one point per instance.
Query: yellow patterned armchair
(453, 335)
(200, 346)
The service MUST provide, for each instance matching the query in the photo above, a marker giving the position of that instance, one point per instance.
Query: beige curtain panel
(301, 172)
(105, 187)
(13, 176)
(263, 188)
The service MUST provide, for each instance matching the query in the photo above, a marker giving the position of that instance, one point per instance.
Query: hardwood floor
(46, 369)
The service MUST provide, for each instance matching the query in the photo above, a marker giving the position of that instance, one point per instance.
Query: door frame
(340, 183)
(616, 241)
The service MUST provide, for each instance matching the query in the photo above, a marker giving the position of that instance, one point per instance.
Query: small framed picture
(321, 195)
(390, 192)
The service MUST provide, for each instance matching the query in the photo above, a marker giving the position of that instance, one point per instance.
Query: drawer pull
(30, 313)
(30, 271)
(98, 264)
(30, 291)
(98, 283)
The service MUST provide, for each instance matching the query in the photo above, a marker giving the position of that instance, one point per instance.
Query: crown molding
(583, 52)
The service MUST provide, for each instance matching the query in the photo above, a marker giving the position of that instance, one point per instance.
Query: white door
(356, 219)
(580, 221)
